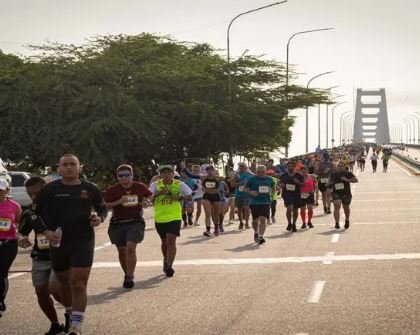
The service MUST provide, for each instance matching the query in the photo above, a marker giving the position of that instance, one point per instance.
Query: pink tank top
(309, 186)
(8, 216)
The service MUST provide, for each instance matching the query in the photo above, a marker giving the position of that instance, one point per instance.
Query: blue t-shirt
(191, 183)
(264, 187)
(243, 179)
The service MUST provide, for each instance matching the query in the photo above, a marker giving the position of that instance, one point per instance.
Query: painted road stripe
(328, 261)
(382, 200)
(276, 260)
(316, 292)
(335, 238)
(106, 244)
(393, 192)
(404, 170)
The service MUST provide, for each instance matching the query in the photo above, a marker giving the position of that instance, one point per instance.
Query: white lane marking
(393, 192)
(17, 274)
(383, 200)
(404, 170)
(328, 261)
(276, 260)
(358, 223)
(302, 333)
(106, 244)
(316, 292)
(335, 238)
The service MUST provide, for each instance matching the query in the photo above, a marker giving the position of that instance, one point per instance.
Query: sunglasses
(124, 175)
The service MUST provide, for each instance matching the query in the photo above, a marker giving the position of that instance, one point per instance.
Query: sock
(303, 214)
(184, 217)
(207, 228)
(77, 319)
(310, 214)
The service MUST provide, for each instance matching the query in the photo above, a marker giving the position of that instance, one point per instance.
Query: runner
(362, 161)
(291, 182)
(167, 196)
(323, 171)
(374, 159)
(10, 213)
(260, 188)
(188, 205)
(385, 161)
(242, 198)
(224, 205)
(43, 277)
(307, 198)
(230, 197)
(341, 193)
(198, 195)
(69, 204)
(274, 197)
(126, 227)
(352, 161)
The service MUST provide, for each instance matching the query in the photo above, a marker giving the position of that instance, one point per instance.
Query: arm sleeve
(185, 190)
(25, 226)
(36, 209)
(99, 203)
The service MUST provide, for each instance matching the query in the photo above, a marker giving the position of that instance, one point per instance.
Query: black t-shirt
(339, 186)
(70, 207)
(289, 187)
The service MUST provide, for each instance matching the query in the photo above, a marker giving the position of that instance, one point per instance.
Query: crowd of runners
(66, 210)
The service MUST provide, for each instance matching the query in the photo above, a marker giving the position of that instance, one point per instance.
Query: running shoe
(256, 238)
(170, 272)
(128, 282)
(347, 224)
(222, 229)
(303, 226)
(329, 210)
(325, 210)
(273, 219)
(207, 234)
(310, 225)
(241, 225)
(294, 229)
(165, 267)
(337, 225)
(247, 226)
(185, 225)
(55, 329)
(262, 240)
(190, 222)
(289, 227)
(216, 232)
(74, 331)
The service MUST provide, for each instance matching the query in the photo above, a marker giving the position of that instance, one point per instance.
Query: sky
(374, 44)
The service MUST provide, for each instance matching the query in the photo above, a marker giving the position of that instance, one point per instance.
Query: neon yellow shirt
(167, 210)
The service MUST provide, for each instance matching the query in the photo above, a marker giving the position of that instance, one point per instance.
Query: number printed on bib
(5, 224)
(290, 187)
(324, 180)
(339, 186)
(133, 200)
(263, 189)
(42, 242)
(210, 184)
(304, 195)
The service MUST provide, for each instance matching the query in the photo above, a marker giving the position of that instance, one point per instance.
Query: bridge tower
(371, 118)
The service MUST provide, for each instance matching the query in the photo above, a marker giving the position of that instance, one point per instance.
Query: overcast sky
(375, 43)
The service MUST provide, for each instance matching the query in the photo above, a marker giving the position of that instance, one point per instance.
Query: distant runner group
(65, 212)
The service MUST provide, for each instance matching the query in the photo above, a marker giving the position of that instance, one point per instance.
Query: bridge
(319, 281)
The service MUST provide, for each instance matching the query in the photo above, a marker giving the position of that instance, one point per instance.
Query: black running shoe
(262, 240)
(347, 224)
(256, 238)
(170, 272)
(328, 210)
(294, 229)
(241, 225)
(325, 210)
(165, 267)
(55, 329)
(128, 282)
(310, 225)
(337, 225)
(289, 227)
(303, 226)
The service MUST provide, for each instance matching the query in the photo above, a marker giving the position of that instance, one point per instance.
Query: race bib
(290, 187)
(241, 188)
(133, 200)
(304, 195)
(263, 189)
(210, 184)
(42, 242)
(324, 180)
(339, 186)
(5, 224)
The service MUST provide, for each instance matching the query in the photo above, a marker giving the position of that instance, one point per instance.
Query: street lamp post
(287, 66)
(332, 121)
(418, 127)
(341, 124)
(307, 109)
(346, 125)
(319, 117)
(228, 39)
(408, 132)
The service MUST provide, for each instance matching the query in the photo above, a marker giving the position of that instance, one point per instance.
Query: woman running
(307, 198)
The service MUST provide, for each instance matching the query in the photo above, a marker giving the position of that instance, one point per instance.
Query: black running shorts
(72, 254)
(260, 210)
(172, 227)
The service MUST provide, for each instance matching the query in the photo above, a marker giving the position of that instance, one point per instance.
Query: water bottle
(59, 232)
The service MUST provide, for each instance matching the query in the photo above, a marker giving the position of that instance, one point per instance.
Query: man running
(167, 196)
(188, 205)
(274, 196)
(323, 170)
(69, 203)
(291, 182)
(242, 198)
(341, 193)
(260, 188)
(374, 160)
(43, 277)
(385, 161)
(126, 228)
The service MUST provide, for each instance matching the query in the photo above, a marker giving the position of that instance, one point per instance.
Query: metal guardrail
(411, 162)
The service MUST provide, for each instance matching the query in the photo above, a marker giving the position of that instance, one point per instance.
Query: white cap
(4, 185)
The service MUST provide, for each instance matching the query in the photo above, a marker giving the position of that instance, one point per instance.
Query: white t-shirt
(185, 190)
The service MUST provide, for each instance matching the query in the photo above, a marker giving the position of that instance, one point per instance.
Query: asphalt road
(320, 281)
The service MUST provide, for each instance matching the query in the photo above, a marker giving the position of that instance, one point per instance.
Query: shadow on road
(286, 234)
(332, 232)
(246, 247)
(195, 240)
(115, 292)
